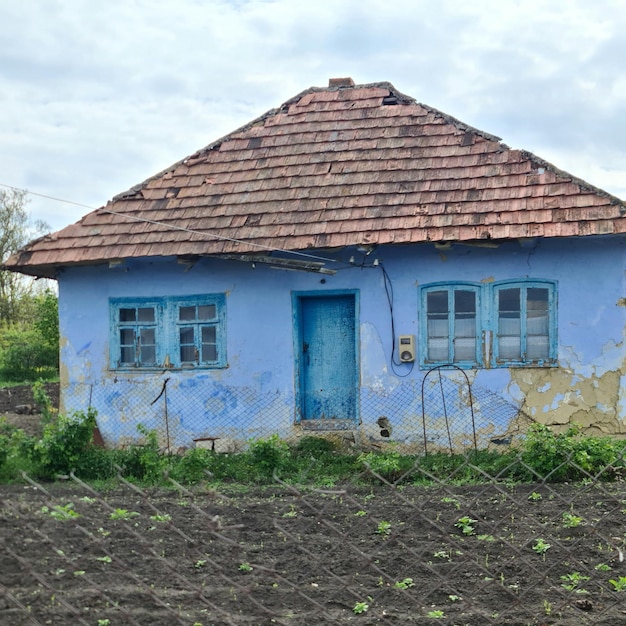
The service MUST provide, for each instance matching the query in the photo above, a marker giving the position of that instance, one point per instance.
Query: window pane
(537, 312)
(509, 324)
(148, 355)
(537, 299)
(438, 326)
(127, 354)
(187, 313)
(465, 349)
(209, 352)
(464, 325)
(128, 315)
(209, 334)
(510, 348)
(509, 302)
(537, 347)
(127, 336)
(437, 302)
(187, 354)
(186, 335)
(537, 324)
(146, 314)
(147, 336)
(464, 314)
(438, 350)
(464, 302)
(207, 312)
(209, 347)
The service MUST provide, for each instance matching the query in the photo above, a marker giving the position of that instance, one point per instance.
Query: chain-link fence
(367, 552)
(439, 410)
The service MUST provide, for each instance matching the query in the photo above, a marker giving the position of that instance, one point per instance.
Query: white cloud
(96, 97)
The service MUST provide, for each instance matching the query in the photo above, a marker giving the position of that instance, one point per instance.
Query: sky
(95, 97)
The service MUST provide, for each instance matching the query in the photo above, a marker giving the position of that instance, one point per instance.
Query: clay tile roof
(336, 166)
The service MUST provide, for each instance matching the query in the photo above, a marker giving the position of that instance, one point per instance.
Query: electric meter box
(406, 345)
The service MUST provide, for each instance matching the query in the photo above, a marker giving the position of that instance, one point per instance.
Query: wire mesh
(440, 411)
(369, 551)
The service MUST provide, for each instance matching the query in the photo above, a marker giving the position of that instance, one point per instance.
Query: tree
(16, 230)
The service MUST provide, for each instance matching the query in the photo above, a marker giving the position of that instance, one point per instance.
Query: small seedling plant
(61, 513)
(360, 607)
(572, 582)
(404, 584)
(383, 528)
(619, 584)
(104, 559)
(452, 500)
(123, 514)
(541, 547)
(466, 524)
(245, 567)
(571, 521)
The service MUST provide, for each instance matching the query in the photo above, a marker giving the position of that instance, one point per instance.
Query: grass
(12, 383)
(66, 446)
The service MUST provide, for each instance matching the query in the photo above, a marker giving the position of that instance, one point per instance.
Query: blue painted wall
(255, 394)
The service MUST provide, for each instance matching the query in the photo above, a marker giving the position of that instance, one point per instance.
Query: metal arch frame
(438, 369)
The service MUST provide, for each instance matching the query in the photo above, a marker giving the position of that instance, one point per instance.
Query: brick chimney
(340, 82)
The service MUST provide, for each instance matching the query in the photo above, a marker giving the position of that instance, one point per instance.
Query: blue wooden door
(327, 360)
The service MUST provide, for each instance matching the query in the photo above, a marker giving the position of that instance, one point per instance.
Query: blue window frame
(450, 329)
(186, 332)
(199, 332)
(524, 323)
(504, 324)
(135, 333)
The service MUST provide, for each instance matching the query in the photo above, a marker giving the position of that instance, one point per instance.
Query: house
(352, 262)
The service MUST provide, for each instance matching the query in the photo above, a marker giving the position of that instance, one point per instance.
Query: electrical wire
(180, 228)
(389, 292)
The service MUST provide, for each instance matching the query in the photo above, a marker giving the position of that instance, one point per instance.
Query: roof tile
(330, 168)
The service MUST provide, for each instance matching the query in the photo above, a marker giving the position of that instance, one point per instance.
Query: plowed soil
(352, 554)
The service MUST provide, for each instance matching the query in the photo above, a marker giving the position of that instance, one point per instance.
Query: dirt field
(362, 555)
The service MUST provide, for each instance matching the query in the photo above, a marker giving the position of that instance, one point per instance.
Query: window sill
(177, 368)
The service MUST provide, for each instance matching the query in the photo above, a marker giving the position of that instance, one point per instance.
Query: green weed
(404, 584)
(466, 524)
(541, 547)
(360, 607)
(619, 584)
(572, 582)
(571, 521)
(62, 513)
(123, 514)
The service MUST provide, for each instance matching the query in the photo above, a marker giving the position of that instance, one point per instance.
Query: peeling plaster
(555, 397)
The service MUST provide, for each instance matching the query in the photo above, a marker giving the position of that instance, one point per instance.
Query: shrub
(568, 455)
(193, 466)
(42, 400)
(314, 446)
(25, 357)
(389, 465)
(268, 455)
(143, 462)
(64, 441)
